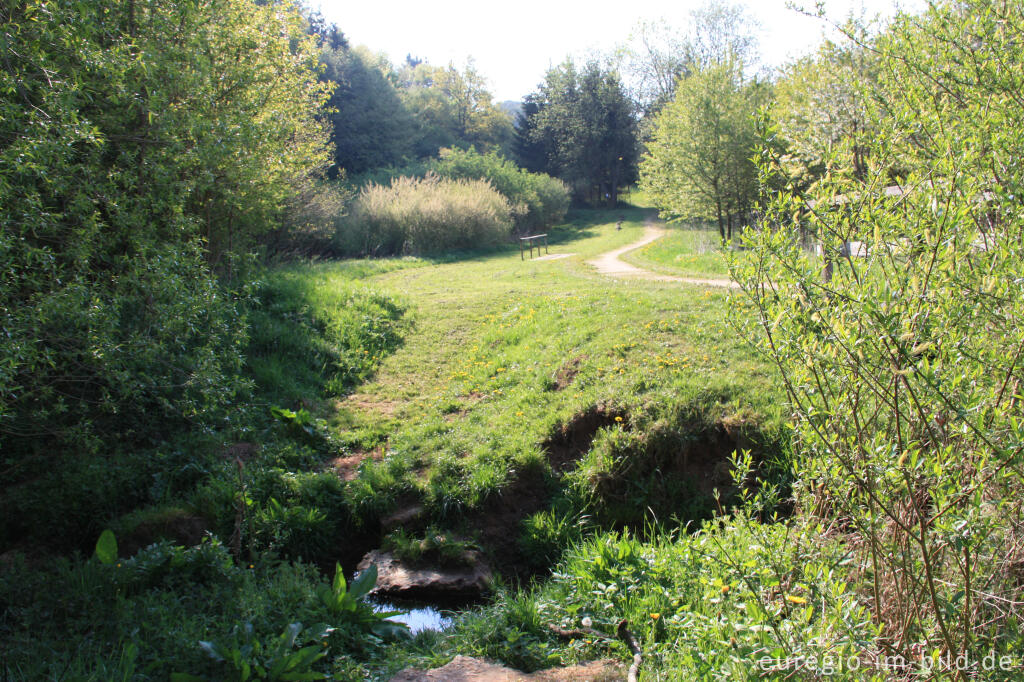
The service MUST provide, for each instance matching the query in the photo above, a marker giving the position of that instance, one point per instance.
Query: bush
(136, 170)
(538, 200)
(426, 215)
(309, 220)
(903, 366)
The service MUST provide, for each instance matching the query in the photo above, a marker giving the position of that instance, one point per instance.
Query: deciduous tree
(699, 163)
(586, 124)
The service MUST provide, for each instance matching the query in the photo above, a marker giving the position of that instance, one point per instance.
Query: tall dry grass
(424, 216)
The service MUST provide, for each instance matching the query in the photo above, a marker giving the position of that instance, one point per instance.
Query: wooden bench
(529, 241)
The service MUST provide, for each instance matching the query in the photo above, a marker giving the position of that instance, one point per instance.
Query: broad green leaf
(366, 581)
(106, 548)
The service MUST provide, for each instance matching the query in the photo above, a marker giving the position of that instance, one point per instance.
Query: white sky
(514, 42)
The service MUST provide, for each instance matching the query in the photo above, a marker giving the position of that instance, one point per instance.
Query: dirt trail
(609, 263)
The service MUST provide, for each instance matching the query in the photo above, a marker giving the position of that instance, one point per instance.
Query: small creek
(416, 615)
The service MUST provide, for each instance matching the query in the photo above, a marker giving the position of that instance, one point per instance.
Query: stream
(416, 615)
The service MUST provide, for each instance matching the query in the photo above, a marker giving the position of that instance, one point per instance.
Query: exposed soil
(408, 515)
(554, 256)
(180, 527)
(498, 523)
(572, 440)
(704, 462)
(673, 472)
(567, 372)
(347, 466)
(241, 451)
(365, 403)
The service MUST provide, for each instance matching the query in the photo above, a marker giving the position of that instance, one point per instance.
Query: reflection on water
(418, 617)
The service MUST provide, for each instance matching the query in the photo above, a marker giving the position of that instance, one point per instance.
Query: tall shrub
(143, 146)
(904, 368)
(538, 200)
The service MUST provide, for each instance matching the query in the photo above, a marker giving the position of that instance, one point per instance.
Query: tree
(586, 125)
(452, 108)
(528, 151)
(820, 105)
(904, 368)
(371, 126)
(698, 164)
(144, 147)
(658, 55)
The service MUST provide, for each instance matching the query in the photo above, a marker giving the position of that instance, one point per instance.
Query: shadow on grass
(313, 336)
(580, 224)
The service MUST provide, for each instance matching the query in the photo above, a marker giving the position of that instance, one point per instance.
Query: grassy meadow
(575, 428)
(540, 411)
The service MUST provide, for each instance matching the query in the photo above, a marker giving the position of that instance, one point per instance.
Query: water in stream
(418, 617)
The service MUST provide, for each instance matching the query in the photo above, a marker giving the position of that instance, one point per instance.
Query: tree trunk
(615, 184)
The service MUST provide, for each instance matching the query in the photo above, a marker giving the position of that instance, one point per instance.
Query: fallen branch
(626, 636)
(623, 633)
(580, 633)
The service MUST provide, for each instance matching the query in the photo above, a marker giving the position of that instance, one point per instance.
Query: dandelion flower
(795, 599)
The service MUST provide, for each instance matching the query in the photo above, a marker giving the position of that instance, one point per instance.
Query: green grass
(473, 391)
(712, 605)
(685, 251)
(318, 330)
(452, 383)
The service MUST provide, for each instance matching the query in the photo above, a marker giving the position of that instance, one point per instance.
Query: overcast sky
(515, 41)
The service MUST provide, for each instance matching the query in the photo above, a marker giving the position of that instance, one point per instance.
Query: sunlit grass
(686, 251)
(472, 392)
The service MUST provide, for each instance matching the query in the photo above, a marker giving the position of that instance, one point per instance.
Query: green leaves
(698, 164)
(340, 599)
(275, 660)
(538, 200)
(139, 164)
(362, 585)
(347, 604)
(106, 548)
(877, 295)
(584, 122)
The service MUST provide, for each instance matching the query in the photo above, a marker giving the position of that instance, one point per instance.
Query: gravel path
(610, 265)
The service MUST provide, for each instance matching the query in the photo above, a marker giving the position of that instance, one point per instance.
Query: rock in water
(400, 581)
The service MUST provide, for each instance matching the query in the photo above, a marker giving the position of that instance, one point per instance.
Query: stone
(466, 669)
(399, 581)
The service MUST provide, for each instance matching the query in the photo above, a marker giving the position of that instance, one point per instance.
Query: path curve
(610, 265)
